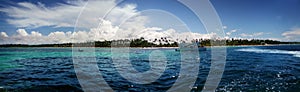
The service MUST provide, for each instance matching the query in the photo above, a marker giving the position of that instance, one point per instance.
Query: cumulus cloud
(22, 32)
(22, 37)
(293, 34)
(3, 35)
(36, 34)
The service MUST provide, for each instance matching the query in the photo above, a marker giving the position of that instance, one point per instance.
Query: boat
(190, 47)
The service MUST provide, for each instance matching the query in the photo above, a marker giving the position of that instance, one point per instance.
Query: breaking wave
(275, 51)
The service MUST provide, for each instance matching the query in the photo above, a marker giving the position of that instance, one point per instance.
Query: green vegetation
(163, 42)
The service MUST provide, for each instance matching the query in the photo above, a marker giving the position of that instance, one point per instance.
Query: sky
(62, 21)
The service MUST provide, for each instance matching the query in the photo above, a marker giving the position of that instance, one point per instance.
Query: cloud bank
(122, 22)
(292, 35)
(96, 34)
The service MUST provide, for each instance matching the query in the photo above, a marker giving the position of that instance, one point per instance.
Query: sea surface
(248, 68)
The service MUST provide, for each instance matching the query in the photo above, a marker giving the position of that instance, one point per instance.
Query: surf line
(274, 51)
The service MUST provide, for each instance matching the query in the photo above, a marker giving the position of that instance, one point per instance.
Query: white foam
(256, 50)
(297, 55)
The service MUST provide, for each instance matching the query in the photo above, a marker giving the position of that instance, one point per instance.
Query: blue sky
(261, 19)
(269, 16)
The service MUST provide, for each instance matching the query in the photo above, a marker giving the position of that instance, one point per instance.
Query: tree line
(162, 42)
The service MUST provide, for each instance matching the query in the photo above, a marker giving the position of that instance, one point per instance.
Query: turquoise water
(248, 68)
(10, 54)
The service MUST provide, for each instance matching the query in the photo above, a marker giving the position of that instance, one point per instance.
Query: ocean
(247, 68)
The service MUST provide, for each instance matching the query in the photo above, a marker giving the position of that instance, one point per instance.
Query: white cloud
(37, 34)
(230, 32)
(245, 35)
(57, 37)
(258, 34)
(224, 27)
(22, 32)
(22, 37)
(65, 15)
(3, 34)
(253, 34)
(292, 35)
(106, 31)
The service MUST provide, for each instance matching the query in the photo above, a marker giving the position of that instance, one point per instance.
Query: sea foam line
(256, 50)
(298, 55)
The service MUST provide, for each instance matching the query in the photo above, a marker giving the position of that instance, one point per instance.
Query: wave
(275, 51)
(297, 55)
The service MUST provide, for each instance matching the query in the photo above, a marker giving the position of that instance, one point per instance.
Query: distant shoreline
(36, 46)
(163, 43)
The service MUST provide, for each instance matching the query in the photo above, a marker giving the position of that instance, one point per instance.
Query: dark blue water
(249, 68)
